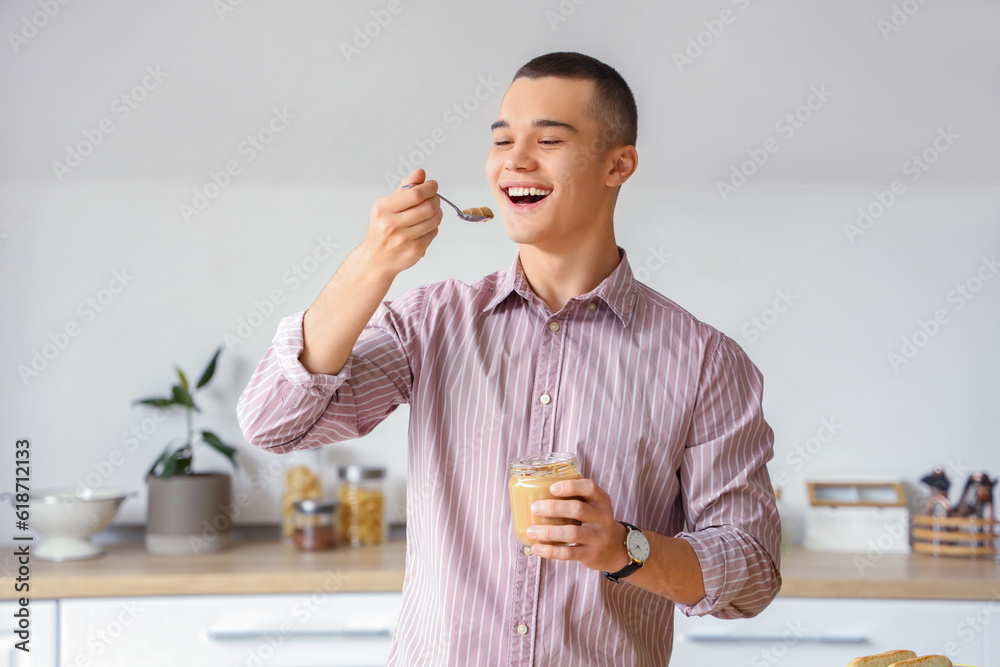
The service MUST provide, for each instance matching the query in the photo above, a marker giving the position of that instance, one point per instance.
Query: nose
(520, 158)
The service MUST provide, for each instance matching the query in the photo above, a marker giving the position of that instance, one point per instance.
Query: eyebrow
(502, 124)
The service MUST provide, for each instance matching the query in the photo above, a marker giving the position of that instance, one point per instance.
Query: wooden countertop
(270, 566)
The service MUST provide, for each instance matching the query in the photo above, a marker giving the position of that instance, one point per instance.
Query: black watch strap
(628, 569)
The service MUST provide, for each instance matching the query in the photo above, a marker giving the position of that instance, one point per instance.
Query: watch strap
(633, 564)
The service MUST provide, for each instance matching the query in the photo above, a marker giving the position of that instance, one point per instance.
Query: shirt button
(522, 629)
(527, 551)
(553, 326)
(592, 306)
(545, 399)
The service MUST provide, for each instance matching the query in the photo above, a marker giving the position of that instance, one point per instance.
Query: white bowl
(68, 519)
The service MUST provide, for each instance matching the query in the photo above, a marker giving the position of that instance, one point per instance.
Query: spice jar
(302, 482)
(530, 479)
(361, 519)
(314, 529)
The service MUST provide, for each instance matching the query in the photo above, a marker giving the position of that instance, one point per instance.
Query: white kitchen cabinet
(304, 630)
(43, 629)
(803, 631)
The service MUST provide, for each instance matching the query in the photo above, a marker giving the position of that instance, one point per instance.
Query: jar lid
(316, 506)
(542, 462)
(356, 473)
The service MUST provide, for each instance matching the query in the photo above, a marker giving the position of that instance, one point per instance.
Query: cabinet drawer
(799, 631)
(42, 640)
(303, 630)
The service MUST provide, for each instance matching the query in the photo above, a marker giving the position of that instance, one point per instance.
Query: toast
(925, 661)
(882, 659)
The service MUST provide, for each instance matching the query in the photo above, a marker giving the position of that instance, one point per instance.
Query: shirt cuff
(712, 559)
(288, 346)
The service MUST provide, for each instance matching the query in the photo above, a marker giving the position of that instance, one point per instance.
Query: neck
(557, 275)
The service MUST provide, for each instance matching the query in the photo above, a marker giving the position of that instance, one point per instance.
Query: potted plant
(187, 511)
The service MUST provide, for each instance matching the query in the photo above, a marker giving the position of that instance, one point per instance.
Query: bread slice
(925, 661)
(882, 659)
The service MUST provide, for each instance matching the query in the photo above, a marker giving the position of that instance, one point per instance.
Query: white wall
(220, 78)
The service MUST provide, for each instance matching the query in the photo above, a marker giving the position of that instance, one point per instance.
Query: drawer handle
(805, 639)
(319, 632)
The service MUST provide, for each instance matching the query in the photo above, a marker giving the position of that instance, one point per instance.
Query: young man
(563, 351)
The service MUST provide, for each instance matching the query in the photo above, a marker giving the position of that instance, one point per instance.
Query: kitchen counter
(271, 566)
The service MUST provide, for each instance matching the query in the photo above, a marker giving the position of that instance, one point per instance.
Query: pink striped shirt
(662, 410)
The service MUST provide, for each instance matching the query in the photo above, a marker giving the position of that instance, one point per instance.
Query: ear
(624, 161)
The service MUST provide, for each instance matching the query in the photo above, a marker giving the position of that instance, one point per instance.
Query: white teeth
(523, 192)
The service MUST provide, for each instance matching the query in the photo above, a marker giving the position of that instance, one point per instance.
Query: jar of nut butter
(530, 479)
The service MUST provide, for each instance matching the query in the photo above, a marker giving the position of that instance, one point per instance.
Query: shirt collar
(618, 290)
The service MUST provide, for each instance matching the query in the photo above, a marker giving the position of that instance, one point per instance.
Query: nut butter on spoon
(530, 479)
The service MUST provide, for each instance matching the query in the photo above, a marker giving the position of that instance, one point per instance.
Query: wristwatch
(638, 551)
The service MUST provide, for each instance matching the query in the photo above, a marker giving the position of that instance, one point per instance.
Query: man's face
(543, 139)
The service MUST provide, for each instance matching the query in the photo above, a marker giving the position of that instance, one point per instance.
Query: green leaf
(157, 402)
(226, 450)
(184, 380)
(209, 370)
(157, 462)
(182, 397)
(169, 467)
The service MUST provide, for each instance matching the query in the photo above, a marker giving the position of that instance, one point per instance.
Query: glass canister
(303, 481)
(361, 519)
(314, 524)
(530, 479)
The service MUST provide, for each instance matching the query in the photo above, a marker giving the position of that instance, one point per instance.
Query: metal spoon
(469, 214)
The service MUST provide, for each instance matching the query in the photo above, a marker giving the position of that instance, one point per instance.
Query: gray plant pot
(187, 514)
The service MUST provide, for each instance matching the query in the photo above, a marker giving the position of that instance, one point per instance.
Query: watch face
(638, 545)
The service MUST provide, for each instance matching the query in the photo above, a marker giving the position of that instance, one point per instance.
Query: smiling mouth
(526, 196)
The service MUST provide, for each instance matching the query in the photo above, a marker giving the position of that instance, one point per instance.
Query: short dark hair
(613, 105)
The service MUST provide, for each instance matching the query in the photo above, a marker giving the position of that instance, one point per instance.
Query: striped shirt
(662, 411)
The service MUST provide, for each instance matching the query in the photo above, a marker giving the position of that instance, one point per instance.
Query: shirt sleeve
(284, 407)
(728, 500)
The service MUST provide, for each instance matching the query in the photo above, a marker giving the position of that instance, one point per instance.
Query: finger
(415, 220)
(557, 552)
(582, 488)
(414, 195)
(416, 177)
(564, 509)
(567, 534)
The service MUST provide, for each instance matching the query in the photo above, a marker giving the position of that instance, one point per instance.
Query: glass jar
(361, 520)
(302, 481)
(530, 479)
(314, 526)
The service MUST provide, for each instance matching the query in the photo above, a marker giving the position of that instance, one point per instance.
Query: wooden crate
(952, 536)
